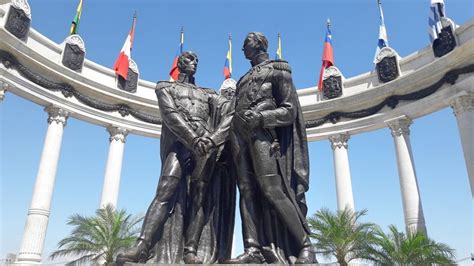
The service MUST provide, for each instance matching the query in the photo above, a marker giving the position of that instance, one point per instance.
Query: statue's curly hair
(260, 39)
(184, 55)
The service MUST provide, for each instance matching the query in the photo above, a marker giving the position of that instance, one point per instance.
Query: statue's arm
(173, 119)
(221, 133)
(283, 91)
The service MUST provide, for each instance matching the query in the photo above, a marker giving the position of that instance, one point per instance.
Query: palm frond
(100, 236)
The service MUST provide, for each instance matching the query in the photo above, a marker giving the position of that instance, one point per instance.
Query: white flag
(436, 12)
(383, 39)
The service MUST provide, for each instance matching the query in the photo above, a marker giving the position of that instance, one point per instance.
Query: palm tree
(396, 248)
(342, 235)
(98, 238)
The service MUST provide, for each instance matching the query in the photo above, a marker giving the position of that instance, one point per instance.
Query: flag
(174, 72)
(436, 12)
(278, 54)
(228, 61)
(75, 21)
(383, 39)
(328, 56)
(121, 64)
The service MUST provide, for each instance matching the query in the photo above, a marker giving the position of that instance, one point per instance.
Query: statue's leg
(248, 210)
(271, 184)
(157, 212)
(200, 177)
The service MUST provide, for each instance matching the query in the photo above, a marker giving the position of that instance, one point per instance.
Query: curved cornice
(426, 84)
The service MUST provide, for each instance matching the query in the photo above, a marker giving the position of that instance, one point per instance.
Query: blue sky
(437, 151)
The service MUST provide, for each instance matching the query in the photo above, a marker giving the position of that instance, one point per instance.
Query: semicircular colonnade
(32, 68)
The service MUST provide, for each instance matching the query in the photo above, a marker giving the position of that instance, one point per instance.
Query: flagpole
(132, 35)
(230, 53)
(279, 51)
(77, 18)
(181, 39)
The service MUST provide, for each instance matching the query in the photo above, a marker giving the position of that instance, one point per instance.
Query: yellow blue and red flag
(228, 61)
(328, 55)
(121, 64)
(174, 72)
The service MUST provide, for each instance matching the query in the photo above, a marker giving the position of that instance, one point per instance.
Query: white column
(113, 169)
(342, 171)
(38, 214)
(412, 208)
(464, 111)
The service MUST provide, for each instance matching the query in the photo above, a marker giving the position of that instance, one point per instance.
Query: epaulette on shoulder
(281, 65)
(211, 91)
(163, 84)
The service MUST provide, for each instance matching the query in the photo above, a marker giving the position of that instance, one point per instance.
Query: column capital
(400, 126)
(463, 104)
(117, 133)
(57, 114)
(3, 88)
(339, 140)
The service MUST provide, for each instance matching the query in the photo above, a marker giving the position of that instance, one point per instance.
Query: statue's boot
(250, 256)
(154, 219)
(306, 255)
(138, 253)
(192, 258)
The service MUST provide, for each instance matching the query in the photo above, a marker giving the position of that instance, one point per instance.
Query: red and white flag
(121, 64)
(328, 55)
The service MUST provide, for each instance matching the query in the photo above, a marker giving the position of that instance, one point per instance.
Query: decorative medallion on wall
(332, 83)
(19, 19)
(386, 65)
(446, 41)
(131, 83)
(74, 53)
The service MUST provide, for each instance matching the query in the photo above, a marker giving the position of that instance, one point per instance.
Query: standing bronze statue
(270, 150)
(189, 201)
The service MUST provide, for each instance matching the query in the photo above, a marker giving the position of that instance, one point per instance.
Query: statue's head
(255, 43)
(187, 63)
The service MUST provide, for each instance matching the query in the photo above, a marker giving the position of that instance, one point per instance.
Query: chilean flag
(328, 56)
(174, 72)
(121, 64)
(228, 61)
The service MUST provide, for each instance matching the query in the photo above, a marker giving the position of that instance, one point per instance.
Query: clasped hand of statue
(253, 119)
(203, 145)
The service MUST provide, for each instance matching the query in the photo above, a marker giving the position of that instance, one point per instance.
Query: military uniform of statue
(270, 151)
(187, 144)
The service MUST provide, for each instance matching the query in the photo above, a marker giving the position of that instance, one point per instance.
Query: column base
(28, 259)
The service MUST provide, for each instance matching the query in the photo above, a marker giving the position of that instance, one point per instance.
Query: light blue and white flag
(383, 39)
(436, 13)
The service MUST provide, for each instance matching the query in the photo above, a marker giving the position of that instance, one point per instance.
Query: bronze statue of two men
(209, 143)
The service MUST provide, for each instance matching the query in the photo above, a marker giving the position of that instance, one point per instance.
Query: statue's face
(189, 65)
(250, 47)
